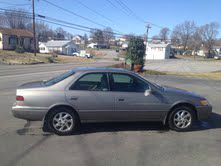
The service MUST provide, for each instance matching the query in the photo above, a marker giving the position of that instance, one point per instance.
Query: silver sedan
(106, 95)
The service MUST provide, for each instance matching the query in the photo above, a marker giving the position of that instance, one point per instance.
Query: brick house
(10, 38)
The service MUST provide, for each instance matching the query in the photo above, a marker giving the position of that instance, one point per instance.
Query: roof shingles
(16, 32)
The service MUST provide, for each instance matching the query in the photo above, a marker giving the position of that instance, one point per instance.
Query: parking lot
(23, 143)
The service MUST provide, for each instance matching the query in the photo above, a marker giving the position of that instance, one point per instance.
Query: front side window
(127, 83)
(91, 82)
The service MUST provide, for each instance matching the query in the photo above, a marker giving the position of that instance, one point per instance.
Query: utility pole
(33, 26)
(148, 27)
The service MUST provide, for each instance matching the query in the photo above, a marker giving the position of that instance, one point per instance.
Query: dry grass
(69, 59)
(96, 53)
(212, 75)
(11, 57)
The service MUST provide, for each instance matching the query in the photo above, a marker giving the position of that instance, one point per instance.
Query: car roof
(101, 69)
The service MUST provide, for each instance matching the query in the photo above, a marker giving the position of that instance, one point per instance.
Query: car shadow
(121, 126)
(213, 122)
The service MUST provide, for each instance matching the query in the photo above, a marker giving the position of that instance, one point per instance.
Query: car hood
(173, 90)
(29, 85)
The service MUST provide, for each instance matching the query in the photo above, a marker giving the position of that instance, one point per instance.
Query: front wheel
(181, 119)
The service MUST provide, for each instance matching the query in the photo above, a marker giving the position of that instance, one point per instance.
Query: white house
(157, 51)
(65, 47)
(78, 39)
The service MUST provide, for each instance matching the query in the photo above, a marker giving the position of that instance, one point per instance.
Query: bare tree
(85, 40)
(183, 32)
(97, 36)
(155, 39)
(164, 33)
(60, 34)
(108, 35)
(209, 33)
(17, 18)
(43, 32)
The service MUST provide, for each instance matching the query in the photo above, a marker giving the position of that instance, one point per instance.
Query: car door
(90, 96)
(133, 101)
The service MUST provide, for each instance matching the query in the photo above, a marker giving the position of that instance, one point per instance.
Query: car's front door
(90, 96)
(131, 101)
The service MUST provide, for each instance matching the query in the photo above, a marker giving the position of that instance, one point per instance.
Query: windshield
(59, 78)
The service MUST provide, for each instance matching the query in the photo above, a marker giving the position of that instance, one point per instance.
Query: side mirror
(147, 92)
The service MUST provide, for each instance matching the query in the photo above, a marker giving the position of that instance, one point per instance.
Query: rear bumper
(203, 112)
(29, 113)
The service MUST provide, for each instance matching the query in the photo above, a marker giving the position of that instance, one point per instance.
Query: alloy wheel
(63, 122)
(182, 119)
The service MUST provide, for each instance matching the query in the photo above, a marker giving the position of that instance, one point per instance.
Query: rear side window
(59, 78)
(91, 82)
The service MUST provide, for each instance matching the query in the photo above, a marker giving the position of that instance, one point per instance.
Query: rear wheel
(63, 121)
(181, 118)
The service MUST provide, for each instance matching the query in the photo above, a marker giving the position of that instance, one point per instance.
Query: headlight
(204, 102)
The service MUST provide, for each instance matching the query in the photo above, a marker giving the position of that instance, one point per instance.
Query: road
(24, 144)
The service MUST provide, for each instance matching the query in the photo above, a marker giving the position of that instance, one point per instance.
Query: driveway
(183, 65)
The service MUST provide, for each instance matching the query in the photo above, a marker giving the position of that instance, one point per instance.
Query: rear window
(59, 78)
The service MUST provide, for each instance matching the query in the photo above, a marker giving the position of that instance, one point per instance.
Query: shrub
(136, 51)
(19, 49)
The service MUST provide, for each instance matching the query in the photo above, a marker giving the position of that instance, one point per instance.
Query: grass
(211, 75)
(153, 72)
(12, 57)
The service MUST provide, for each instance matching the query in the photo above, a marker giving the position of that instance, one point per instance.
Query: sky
(160, 12)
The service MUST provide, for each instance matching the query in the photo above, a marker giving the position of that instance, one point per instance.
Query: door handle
(74, 98)
(120, 99)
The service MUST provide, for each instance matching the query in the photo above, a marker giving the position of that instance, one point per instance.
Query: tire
(181, 119)
(63, 121)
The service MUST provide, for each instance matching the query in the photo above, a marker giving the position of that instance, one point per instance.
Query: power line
(129, 10)
(75, 14)
(94, 11)
(73, 27)
(60, 22)
(115, 6)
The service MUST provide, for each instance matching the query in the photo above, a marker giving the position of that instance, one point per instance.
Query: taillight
(19, 98)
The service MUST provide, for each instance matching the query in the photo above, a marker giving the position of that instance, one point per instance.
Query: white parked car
(218, 56)
(82, 54)
(75, 54)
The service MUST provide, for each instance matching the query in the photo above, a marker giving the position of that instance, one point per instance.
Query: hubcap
(63, 122)
(182, 119)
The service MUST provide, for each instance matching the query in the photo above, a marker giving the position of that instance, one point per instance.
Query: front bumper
(29, 113)
(203, 112)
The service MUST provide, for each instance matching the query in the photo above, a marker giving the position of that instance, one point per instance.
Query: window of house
(42, 48)
(160, 48)
(21, 41)
(12, 41)
(127, 83)
(92, 82)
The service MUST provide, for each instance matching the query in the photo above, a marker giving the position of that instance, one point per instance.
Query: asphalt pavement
(24, 144)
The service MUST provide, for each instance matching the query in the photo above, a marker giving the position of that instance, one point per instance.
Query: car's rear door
(90, 96)
(131, 102)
